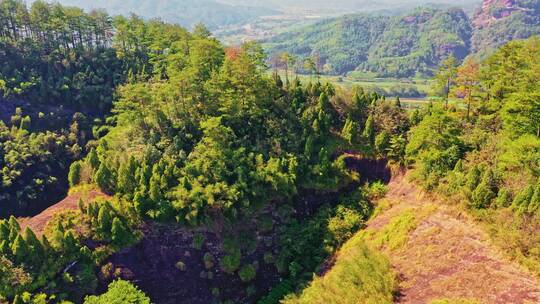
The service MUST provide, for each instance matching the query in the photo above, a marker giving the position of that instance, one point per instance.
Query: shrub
(247, 273)
(198, 241)
(344, 224)
(503, 198)
(376, 190)
(231, 262)
(208, 260)
(268, 258)
(482, 196)
(180, 266)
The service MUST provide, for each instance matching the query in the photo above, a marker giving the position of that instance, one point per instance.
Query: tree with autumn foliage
(468, 83)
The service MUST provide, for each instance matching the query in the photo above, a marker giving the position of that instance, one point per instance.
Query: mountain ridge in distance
(187, 13)
(411, 44)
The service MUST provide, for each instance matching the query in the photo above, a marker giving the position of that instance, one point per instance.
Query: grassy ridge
(360, 275)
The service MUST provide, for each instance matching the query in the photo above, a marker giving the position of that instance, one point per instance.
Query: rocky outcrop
(493, 10)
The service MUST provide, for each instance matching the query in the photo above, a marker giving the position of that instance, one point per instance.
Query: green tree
(467, 82)
(20, 250)
(104, 178)
(247, 273)
(350, 131)
(104, 220)
(445, 78)
(93, 159)
(369, 131)
(119, 233)
(74, 176)
(127, 182)
(119, 292)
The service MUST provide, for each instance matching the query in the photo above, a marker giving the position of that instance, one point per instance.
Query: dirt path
(38, 222)
(447, 256)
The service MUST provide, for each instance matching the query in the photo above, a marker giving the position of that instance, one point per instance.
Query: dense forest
(409, 45)
(196, 176)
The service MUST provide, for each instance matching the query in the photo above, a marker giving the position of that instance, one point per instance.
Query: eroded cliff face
(493, 10)
(499, 21)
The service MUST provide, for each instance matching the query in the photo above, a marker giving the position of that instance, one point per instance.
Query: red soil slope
(448, 256)
(38, 222)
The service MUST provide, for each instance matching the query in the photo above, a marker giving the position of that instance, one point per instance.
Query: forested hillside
(409, 45)
(384, 46)
(498, 22)
(196, 176)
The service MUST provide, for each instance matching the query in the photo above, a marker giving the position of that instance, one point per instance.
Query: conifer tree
(104, 220)
(369, 131)
(74, 176)
(119, 232)
(104, 178)
(19, 250)
(93, 159)
(350, 131)
(127, 182)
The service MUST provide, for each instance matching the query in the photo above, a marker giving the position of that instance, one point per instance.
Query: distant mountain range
(411, 44)
(352, 5)
(187, 13)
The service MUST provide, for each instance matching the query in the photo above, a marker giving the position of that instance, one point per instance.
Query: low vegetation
(359, 275)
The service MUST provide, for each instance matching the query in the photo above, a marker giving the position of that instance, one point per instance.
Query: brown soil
(39, 222)
(448, 256)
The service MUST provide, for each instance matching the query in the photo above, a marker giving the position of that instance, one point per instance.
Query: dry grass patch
(360, 276)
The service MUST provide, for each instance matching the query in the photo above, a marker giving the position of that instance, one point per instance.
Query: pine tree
(534, 204)
(93, 159)
(119, 232)
(104, 178)
(14, 228)
(80, 205)
(309, 147)
(69, 243)
(522, 200)
(350, 131)
(4, 230)
(382, 142)
(503, 198)
(415, 117)
(19, 250)
(155, 194)
(369, 131)
(4, 248)
(127, 182)
(104, 221)
(74, 176)
(473, 178)
(35, 248)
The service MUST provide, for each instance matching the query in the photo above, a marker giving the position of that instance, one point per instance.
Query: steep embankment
(39, 222)
(439, 253)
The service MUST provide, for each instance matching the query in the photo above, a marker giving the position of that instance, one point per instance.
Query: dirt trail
(448, 256)
(38, 222)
